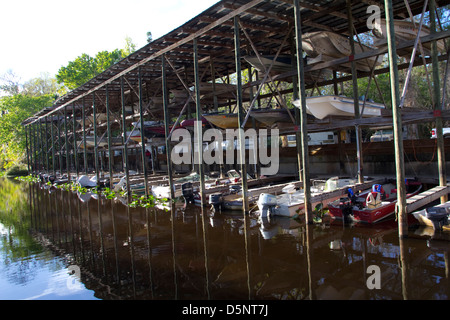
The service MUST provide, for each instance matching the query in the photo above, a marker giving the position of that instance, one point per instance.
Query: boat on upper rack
(283, 64)
(404, 31)
(437, 216)
(271, 117)
(324, 106)
(372, 205)
(321, 46)
(228, 121)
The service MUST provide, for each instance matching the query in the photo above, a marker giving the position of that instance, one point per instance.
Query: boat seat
(373, 200)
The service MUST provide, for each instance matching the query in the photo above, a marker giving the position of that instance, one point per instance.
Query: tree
(13, 111)
(85, 67)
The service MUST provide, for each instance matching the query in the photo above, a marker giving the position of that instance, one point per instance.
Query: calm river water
(55, 246)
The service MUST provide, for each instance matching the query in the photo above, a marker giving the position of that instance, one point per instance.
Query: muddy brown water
(189, 253)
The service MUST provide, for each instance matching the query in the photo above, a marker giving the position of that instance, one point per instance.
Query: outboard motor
(346, 207)
(187, 190)
(437, 215)
(216, 200)
(235, 189)
(267, 203)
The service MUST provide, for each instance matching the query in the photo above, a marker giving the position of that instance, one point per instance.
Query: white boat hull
(324, 106)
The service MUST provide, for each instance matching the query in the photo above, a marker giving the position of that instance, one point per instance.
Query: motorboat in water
(436, 216)
(372, 205)
(291, 202)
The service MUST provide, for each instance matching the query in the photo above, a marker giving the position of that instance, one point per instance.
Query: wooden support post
(141, 114)
(108, 128)
(94, 111)
(303, 116)
(199, 127)
(166, 126)
(437, 105)
(397, 123)
(124, 138)
(240, 108)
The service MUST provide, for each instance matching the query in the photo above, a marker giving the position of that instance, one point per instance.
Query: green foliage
(85, 67)
(14, 110)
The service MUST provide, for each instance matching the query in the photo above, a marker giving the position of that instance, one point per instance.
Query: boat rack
(189, 72)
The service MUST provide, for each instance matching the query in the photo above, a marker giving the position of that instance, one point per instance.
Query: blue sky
(41, 36)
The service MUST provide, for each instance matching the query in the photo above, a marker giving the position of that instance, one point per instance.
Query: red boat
(372, 205)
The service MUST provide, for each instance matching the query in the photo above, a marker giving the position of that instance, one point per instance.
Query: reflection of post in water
(131, 246)
(174, 255)
(91, 244)
(149, 257)
(206, 251)
(404, 266)
(113, 220)
(100, 230)
(247, 242)
(309, 243)
(80, 228)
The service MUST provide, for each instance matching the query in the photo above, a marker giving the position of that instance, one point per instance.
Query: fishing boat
(163, 191)
(372, 205)
(326, 46)
(292, 201)
(324, 106)
(436, 216)
(404, 31)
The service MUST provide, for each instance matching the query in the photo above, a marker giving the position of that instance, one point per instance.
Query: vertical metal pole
(75, 147)
(52, 133)
(141, 113)
(298, 136)
(303, 116)
(110, 151)
(94, 112)
(59, 116)
(437, 105)
(36, 150)
(398, 142)
(30, 139)
(41, 145)
(83, 111)
(47, 145)
(66, 131)
(26, 146)
(355, 94)
(166, 125)
(199, 125)
(124, 137)
(237, 47)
